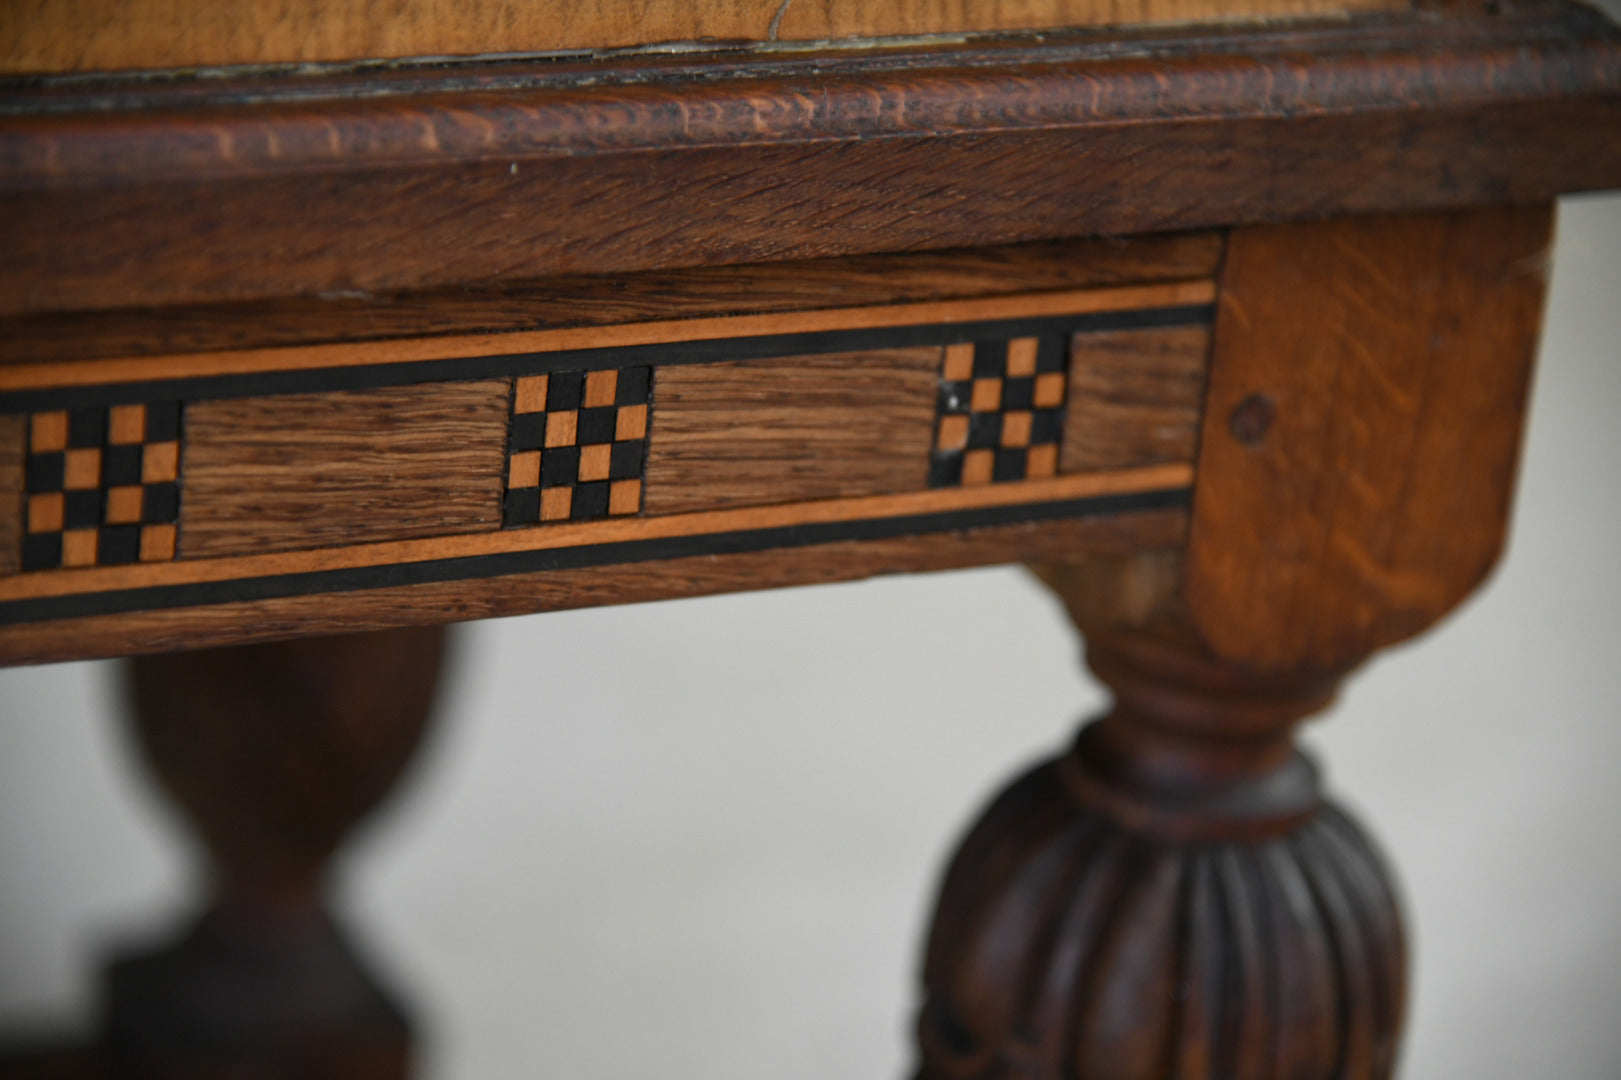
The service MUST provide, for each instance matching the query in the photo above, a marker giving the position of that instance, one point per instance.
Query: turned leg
(274, 752)
(1171, 899)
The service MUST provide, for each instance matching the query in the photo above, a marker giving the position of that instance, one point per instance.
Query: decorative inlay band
(1001, 412)
(577, 445)
(401, 465)
(102, 486)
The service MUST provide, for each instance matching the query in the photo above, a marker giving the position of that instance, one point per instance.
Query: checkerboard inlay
(103, 486)
(577, 445)
(1001, 411)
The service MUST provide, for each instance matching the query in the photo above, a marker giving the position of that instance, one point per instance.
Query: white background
(699, 838)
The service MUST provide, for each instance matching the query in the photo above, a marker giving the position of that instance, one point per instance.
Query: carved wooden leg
(274, 752)
(1171, 898)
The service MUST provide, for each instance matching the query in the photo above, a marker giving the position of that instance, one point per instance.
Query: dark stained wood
(1362, 429)
(84, 35)
(157, 631)
(1134, 397)
(13, 436)
(274, 752)
(1173, 896)
(757, 432)
(313, 470)
(697, 292)
(490, 178)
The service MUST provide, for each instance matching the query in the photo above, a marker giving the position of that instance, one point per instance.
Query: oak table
(1223, 321)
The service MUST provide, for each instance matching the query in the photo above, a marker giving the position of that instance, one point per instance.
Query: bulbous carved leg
(274, 752)
(1169, 899)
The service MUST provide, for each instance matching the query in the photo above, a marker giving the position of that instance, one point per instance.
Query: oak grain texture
(1362, 429)
(1134, 398)
(312, 470)
(756, 432)
(696, 292)
(178, 197)
(13, 451)
(464, 348)
(85, 35)
(265, 620)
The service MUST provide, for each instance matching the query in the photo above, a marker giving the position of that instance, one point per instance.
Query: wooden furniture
(1227, 328)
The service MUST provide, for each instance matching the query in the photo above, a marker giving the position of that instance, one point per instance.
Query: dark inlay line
(364, 377)
(473, 567)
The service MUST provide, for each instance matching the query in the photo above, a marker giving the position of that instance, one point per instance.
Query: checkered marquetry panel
(577, 444)
(1001, 411)
(103, 485)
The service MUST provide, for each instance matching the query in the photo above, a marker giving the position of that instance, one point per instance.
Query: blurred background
(700, 838)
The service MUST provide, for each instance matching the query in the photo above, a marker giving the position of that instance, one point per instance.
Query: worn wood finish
(273, 752)
(1362, 429)
(552, 590)
(82, 35)
(922, 277)
(485, 178)
(51, 375)
(13, 508)
(773, 431)
(1134, 397)
(315, 470)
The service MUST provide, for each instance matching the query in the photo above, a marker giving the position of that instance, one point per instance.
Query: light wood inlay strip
(608, 531)
(39, 376)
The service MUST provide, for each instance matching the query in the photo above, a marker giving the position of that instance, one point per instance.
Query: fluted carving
(1171, 899)
(1068, 946)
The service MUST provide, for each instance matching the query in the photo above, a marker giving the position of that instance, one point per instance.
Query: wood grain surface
(696, 292)
(84, 35)
(563, 536)
(774, 431)
(310, 470)
(53, 375)
(1361, 434)
(1134, 397)
(13, 435)
(265, 620)
(430, 178)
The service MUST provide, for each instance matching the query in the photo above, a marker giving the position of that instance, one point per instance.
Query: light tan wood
(13, 443)
(46, 583)
(1134, 397)
(34, 376)
(93, 35)
(266, 620)
(1362, 428)
(310, 470)
(753, 432)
